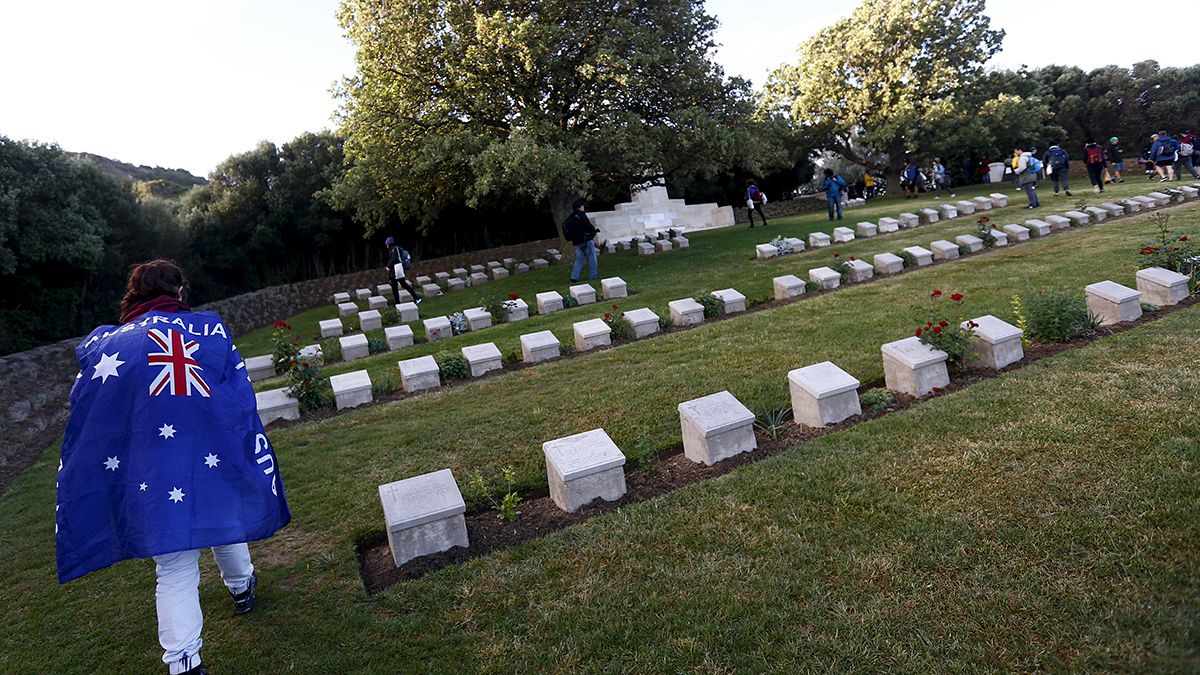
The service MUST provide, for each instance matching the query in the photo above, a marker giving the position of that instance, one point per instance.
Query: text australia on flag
(164, 451)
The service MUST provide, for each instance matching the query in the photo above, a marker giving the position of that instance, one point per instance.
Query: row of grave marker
(425, 514)
(948, 211)
(593, 333)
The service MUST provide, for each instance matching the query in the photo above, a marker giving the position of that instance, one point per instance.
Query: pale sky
(186, 84)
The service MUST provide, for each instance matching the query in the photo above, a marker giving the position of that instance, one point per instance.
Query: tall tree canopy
(537, 100)
(892, 76)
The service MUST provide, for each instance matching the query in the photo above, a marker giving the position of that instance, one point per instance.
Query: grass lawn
(1041, 520)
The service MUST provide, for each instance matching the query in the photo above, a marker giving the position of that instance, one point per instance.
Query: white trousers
(177, 596)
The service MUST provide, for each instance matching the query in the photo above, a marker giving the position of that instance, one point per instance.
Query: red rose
(943, 324)
(614, 306)
(1183, 238)
(937, 330)
(929, 324)
(956, 297)
(937, 388)
(935, 294)
(607, 315)
(918, 332)
(513, 296)
(622, 313)
(853, 258)
(837, 255)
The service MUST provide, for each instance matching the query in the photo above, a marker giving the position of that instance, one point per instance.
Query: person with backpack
(1187, 152)
(1164, 151)
(579, 229)
(941, 178)
(1115, 160)
(755, 200)
(1026, 169)
(399, 261)
(1096, 159)
(912, 179)
(833, 186)
(1058, 165)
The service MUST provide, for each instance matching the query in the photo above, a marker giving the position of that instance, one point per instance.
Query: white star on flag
(211, 461)
(167, 431)
(143, 486)
(112, 463)
(176, 495)
(107, 366)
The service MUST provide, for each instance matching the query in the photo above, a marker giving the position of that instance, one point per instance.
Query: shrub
(1056, 316)
(664, 322)
(1172, 251)
(621, 330)
(376, 345)
(811, 286)
(284, 346)
(389, 315)
(645, 454)
(878, 399)
(510, 357)
(985, 232)
(484, 492)
(569, 302)
(331, 350)
(498, 306)
(964, 250)
(1018, 309)
(771, 421)
(908, 259)
(452, 366)
(384, 384)
(943, 329)
(712, 306)
(308, 385)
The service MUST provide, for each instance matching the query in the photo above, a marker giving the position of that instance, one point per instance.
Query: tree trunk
(560, 208)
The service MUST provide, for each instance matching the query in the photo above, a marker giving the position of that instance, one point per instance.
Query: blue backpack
(1035, 164)
(1058, 158)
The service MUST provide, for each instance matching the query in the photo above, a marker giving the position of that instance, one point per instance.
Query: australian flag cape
(164, 450)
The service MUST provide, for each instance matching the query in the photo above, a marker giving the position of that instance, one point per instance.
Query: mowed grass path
(716, 259)
(1041, 520)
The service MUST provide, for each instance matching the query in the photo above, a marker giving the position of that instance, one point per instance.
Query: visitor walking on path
(756, 199)
(1187, 153)
(1058, 165)
(1164, 151)
(912, 179)
(1095, 159)
(581, 232)
(832, 186)
(1116, 161)
(399, 261)
(941, 178)
(165, 455)
(1026, 170)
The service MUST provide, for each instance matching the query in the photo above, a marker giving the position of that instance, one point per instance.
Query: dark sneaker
(1068, 193)
(198, 670)
(244, 602)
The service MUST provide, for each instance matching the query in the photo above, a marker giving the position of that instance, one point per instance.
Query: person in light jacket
(1026, 176)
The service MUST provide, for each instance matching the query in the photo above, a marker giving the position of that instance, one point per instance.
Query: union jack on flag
(180, 374)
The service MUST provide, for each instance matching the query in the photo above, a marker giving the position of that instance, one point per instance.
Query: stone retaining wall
(783, 207)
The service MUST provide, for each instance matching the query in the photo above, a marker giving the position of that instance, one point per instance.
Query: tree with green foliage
(889, 78)
(537, 100)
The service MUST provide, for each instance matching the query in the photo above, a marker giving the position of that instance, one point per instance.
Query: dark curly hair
(150, 280)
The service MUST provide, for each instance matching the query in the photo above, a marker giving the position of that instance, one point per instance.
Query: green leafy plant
(985, 231)
(510, 357)
(946, 329)
(308, 385)
(285, 345)
(1056, 316)
(389, 315)
(1171, 250)
(908, 259)
(878, 399)
(621, 330)
(377, 345)
(772, 421)
(964, 250)
(384, 384)
(331, 350)
(498, 306)
(712, 306)
(569, 302)
(1018, 309)
(452, 366)
(503, 498)
(645, 454)
(664, 322)
(811, 286)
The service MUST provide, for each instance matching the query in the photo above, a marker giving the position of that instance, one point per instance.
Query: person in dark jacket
(1164, 151)
(1096, 160)
(1187, 153)
(755, 200)
(1058, 164)
(832, 186)
(398, 256)
(580, 231)
(1116, 161)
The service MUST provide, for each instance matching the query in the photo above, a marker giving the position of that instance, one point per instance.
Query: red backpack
(1095, 154)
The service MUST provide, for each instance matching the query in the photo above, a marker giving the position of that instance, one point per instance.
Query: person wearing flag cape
(164, 455)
